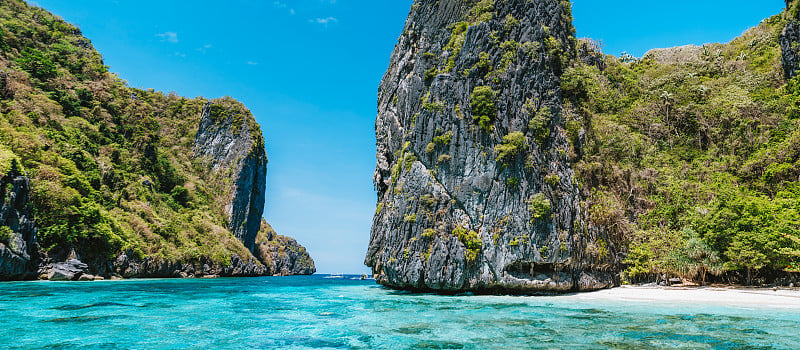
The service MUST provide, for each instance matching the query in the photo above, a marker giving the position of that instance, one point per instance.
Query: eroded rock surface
(231, 141)
(18, 247)
(474, 179)
(789, 38)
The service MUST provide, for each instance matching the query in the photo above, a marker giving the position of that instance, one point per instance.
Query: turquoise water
(314, 312)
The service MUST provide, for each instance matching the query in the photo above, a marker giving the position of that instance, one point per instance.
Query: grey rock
(127, 267)
(789, 38)
(86, 278)
(431, 195)
(19, 253)
(68, 270)
(234, 144)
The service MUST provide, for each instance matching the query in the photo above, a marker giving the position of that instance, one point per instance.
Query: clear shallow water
(314, 312)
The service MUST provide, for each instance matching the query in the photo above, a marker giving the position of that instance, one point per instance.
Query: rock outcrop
(126, 267)
(231, 141)
(18, 248)
(281, 255)
(474, 179)
(789, 39)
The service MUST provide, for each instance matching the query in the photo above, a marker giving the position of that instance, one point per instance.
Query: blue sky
(309, 71)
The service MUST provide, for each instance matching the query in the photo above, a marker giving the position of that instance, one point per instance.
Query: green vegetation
(513, 144)
(443, 139)
(111, 167)
(471, 240)
(552, 179)
(480, 11)
(691, 157)
(482, 104)
(538, 125)
(428, 233)
(5, 234)
(539, 206)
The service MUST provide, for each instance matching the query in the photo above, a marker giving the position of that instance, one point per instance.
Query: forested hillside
(692, 154)
(168, 182)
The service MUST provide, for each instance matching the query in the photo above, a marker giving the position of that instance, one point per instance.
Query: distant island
(514, 157)
(101, 180)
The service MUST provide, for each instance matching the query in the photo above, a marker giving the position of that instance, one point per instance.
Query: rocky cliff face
(18, 248)
(474, 179)
(789, 39)
(281, 255)
(231, 142)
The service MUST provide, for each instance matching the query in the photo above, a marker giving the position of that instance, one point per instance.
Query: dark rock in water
(281, 255)
(230, 141)
(126, 267)
(19, 251)
(475, 184)
(69, 270)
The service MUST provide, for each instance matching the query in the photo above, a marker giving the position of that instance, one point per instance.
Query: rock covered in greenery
(281, 255)
(514, 158)
(474, 177)
(690, 155)
(136, 182)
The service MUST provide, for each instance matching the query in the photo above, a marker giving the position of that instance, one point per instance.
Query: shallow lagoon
(317, 312)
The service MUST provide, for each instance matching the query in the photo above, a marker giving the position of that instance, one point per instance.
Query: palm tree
(702, 258)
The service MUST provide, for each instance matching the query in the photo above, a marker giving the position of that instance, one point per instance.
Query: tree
(483, 107)
(702, 259)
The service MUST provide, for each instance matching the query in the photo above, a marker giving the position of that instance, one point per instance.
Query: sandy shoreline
(765, 297)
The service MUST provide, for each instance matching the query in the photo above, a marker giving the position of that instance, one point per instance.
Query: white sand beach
(766, 297)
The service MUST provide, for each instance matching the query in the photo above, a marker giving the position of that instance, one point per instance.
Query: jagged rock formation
(18, 247)
(227, 138)
(125, 267)
(282, 255)
(475, 186)
(789, 39)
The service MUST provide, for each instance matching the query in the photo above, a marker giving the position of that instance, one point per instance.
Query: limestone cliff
(789, 39)
(231, 141)
(474, 179)
(18, 247)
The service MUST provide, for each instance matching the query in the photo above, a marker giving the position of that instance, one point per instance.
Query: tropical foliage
(111, 166)
(691, 156)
